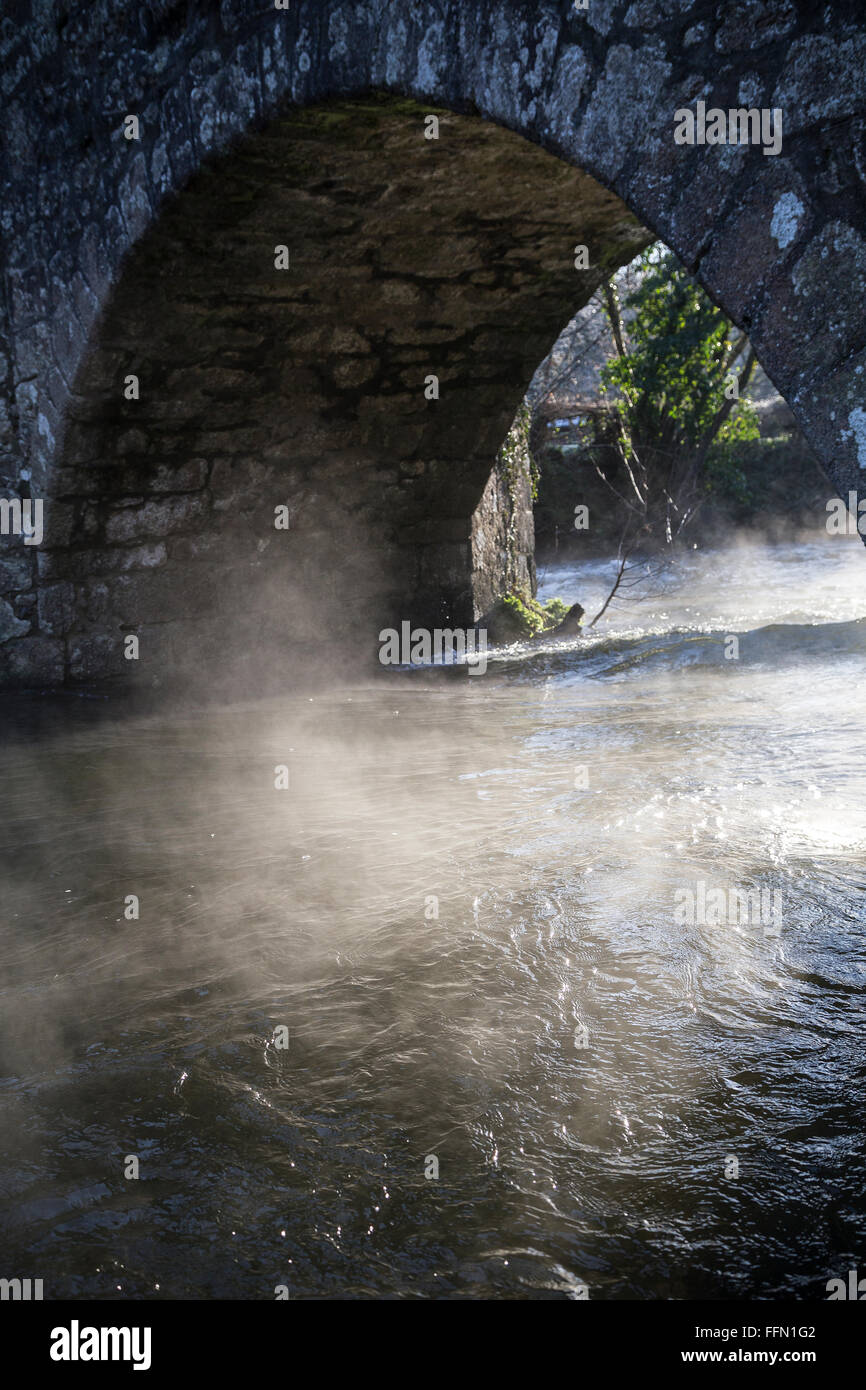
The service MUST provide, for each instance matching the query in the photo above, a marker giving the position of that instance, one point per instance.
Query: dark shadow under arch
(309, 388)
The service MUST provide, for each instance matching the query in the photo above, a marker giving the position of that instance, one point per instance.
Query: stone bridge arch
(777, 241)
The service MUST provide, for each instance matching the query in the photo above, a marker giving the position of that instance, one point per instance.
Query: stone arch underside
(309, 388)
(777, 242)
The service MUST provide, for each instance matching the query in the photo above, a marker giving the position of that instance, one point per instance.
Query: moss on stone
(517, 616)
(555, 610)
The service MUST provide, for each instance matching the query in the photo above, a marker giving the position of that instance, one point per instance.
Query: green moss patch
(517, 616)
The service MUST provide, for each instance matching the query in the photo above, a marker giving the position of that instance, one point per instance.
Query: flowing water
(464, 918)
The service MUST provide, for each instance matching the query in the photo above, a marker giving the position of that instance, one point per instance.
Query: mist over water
(553, 808)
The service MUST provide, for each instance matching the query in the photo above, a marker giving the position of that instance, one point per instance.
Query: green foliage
(667, 444)
(670, 390)
(724, 476)
(674, 371)
(525, 614)
(764, 480)
(518, 615)
(555, 610)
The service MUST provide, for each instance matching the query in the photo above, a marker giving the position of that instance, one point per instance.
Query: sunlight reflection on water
(433, 911)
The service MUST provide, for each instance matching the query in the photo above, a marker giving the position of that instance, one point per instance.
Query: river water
(455, 942)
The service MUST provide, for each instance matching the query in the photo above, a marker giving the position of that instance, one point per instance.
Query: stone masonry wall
(310, 388)
(777, 241)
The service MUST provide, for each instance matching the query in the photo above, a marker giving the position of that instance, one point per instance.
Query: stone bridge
(263, 335)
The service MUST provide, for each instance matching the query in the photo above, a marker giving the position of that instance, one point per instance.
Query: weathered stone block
(56, 609)
(16, 567)
(32, 661)
(154, 518)
(11, 625)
